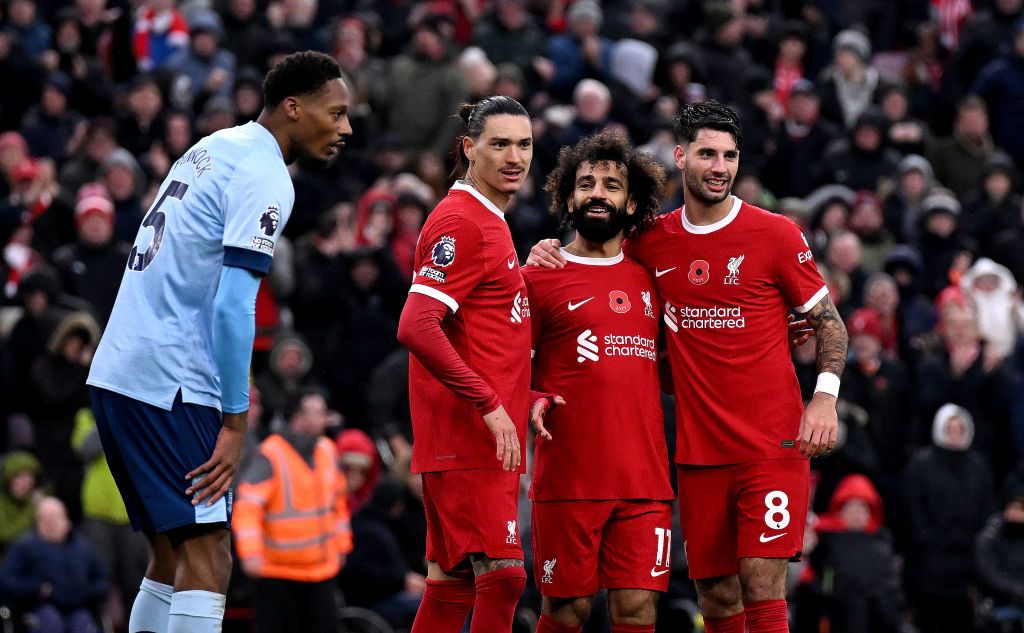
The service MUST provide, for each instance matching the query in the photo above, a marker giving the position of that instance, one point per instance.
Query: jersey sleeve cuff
(813, 301)
(237, 257)
(434, 293)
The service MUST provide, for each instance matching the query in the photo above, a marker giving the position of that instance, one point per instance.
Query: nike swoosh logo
(573, 306)
(511, 263)
(765, 539)
(655, 573)
(659, 273)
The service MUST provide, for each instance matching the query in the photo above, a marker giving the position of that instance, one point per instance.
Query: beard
(599, 229)
(696, 188)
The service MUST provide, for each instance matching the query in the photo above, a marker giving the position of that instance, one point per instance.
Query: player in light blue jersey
(170, 379)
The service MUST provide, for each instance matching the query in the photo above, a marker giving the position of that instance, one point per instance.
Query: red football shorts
(750, 510)
(582, 546)
(470, 512)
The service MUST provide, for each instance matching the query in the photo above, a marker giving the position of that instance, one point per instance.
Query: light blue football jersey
(224, 202)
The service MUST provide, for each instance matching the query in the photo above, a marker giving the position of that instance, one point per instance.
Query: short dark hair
(646, 176)
(709, 115)
(298, 74)
(474, 116)
(295, 402)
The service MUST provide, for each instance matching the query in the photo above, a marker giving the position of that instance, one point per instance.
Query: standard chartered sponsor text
(630, 345)
(711, 317)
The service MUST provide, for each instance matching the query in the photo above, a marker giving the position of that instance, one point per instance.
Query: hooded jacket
(16, 515)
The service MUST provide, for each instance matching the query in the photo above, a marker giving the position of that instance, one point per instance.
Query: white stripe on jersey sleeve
(813, 301)
(434, 293)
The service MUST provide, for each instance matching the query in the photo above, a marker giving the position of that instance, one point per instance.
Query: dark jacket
(999, 554)
(71, 568)
(376, 567)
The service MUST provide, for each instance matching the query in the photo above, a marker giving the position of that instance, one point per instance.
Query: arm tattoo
(831, 335)
(483, 564)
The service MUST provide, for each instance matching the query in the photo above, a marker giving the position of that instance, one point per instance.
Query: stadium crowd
(890, 131)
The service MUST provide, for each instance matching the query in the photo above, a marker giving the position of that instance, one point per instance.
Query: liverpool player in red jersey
(602, 511)
(467, 324)
(728, 273)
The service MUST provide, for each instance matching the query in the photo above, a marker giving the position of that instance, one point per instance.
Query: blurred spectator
(92, 267)
(994, 293)
(863, 160)
(940, 565)
(387, 396)
(205, 69)
(244, 33)
(123, 552)
(593, 103)
(881, 296)
(982, 37)
(915, 180)
(1006, 245)
(427, 90)
(58, 392)
(800, 142)
(142, 122)
(995, 205)
(291, 521)
(368, 73)
(946, 249)
(999, 555)
(856, 570)
(1001, 84)
(27, 27)
(91, 87)
(880, 386)
(19, 476)
(916, 314)
(359, 461)
(39, 292)
(789, 63)
(122, 176)
(160, 31)
(906, 133)
(247, 95)
(16, 69)
(287, 373)
(99, 141)
(376, 574)
(867, 222)
(510, 34)
(53, 128)
(53, 574)
(720, 44)
(844, 260)
(13, 152)
(958, 159)
(580, 52)
(850, 85)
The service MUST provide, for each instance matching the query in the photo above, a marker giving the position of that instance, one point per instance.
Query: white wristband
(827, 383)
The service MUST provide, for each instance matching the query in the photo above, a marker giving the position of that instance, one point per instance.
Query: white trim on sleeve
(434, 293)
(813, 301)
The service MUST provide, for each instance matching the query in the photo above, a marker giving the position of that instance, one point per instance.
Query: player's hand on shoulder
(539, 410)
(506, 438)
(212, 480)
(545, 254)
(819, 426)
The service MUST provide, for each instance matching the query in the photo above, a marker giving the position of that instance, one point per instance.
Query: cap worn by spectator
(93, 200)
(586, 10)
(941, 202)
(60, 82)
(803, 87)
(206, 21)
(853, 41)
(864, 322)
(121, 157)
(717, 15)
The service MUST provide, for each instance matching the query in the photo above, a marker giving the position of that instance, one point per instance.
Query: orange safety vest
(297, 521)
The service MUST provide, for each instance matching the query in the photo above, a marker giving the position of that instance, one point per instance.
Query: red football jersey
(595, 335)
(466, 260)
(726, 290)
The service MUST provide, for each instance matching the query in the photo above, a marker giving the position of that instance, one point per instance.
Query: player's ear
(291, 108)
(680, 155)
(467, 147)
(631, 205)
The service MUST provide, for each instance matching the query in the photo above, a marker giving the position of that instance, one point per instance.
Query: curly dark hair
(298, 74)
(709, 115)
(646, 178)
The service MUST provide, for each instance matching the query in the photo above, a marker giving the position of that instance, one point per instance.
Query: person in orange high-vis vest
(291, 522)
